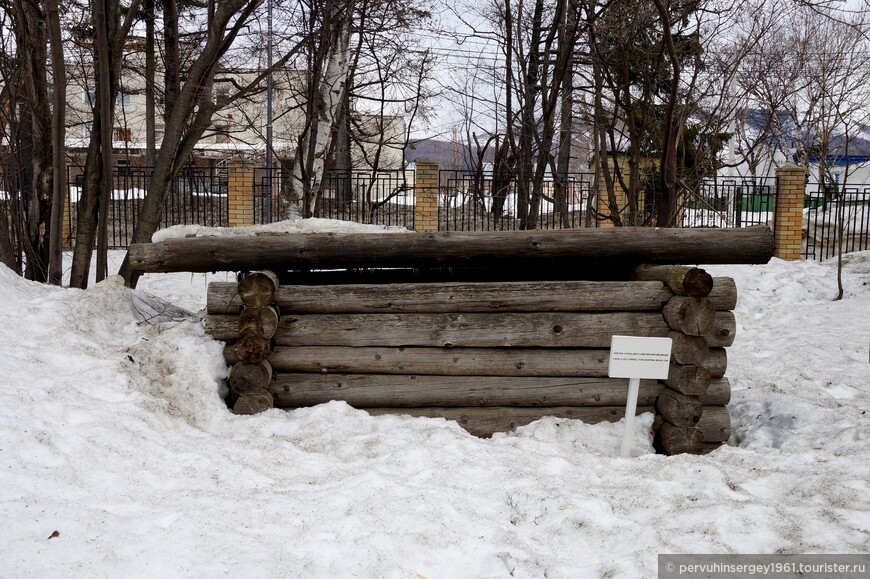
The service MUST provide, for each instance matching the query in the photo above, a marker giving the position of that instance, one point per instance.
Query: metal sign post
(635, 358)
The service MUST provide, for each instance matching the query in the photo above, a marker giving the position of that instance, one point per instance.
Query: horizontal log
(683, 281)
(566, 330)
(390, 390)
(718, 394)
(251, 348)
(715, 424)
(546, 296)
(724, 330)
(688, 379)
(250, 378)
(691, 316)
(259, 320)
(679, 409)
(453, 361)
(485, 421)
(687, 350)
(711, 446)
(253, 403)
(724, 294)
(517, 249)
(257, 288)
(671, 440)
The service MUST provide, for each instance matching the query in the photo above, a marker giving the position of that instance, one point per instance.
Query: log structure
(490, 355)
(490, 329)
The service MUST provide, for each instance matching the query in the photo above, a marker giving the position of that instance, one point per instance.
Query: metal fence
(835, 219)
(380, 197)
(198, 196)
(470, 201)
(729, 202)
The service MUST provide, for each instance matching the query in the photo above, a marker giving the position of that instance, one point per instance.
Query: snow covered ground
(119, 458)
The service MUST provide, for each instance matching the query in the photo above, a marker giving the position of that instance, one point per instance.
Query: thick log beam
(566, 330)
(390, 390)
(253, 403)
(691, 316)
(484, 422)
(257, 288)
(686, 350)
(724, 330)
(679, 409)
(690, 380)
(672, 439)
(724, 294)
(715, 424)
(259, 320)
(545, 296)
(250, 378)
(518, 249)
(718, 394)
(250, 348)
(683, 281)
(458, 361)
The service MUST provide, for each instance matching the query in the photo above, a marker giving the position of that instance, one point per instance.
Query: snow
(114, 434)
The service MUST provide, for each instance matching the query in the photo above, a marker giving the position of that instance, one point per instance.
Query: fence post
(426, 196)
(240, 192)
(791, 181)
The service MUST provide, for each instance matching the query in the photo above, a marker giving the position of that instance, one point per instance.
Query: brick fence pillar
(240, 193)
(426, 197)
(791, 183)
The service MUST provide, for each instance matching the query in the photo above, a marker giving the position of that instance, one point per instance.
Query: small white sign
(634, 357)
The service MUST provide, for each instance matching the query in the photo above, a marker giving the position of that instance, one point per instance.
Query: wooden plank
(724, 294)
(454, 330)
(518, 249)
(390, 390)
(545, 296)
(724, 330)
(484, 421)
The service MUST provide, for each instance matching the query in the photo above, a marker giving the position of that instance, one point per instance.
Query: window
(123, 167)
(123, 134)
(123, 98)
(89, 96)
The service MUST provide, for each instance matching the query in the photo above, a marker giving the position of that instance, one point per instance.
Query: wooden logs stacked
(256, 324)
(691, 410)
(490, 355)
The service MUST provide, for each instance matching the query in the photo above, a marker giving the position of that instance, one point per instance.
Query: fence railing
(835, 219)
(381, 197)
(470, 201)
(198, 196)
(729, 202)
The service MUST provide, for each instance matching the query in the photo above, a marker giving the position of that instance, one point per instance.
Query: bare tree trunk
(307, 172)
(104, 19)
(150, 72)
(58, 133)
(172, 65)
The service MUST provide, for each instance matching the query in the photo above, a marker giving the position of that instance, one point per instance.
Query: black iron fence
(198, 196)
(380, 197)
(729, 202)
(471, 201)
(835, 219)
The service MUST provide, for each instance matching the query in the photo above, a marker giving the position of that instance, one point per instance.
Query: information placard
(636, 357)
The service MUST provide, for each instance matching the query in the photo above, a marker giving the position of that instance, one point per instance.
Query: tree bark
(58, 147)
